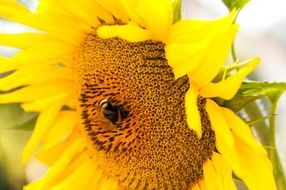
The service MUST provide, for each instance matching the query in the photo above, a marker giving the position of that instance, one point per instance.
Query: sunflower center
(133, 115)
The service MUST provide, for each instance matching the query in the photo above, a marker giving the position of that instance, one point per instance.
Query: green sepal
(270, 89)
(227, 70)
(251, 91)
(238, 102)
(177, 10)
(231, 4)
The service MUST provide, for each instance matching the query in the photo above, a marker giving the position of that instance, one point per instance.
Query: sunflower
(125, 97)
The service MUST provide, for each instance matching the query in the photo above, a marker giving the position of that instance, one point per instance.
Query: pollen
(133, 115)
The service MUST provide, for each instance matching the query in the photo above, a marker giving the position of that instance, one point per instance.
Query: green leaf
(231, 4)
(177, 8)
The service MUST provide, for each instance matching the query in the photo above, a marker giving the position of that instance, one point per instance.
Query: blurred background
(262, 33)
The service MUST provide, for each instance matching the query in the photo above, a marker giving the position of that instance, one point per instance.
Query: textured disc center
(133, 115)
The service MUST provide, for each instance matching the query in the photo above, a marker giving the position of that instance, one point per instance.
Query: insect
(112, 112)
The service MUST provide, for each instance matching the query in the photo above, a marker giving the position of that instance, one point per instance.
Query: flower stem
(233, 52)
(273, 154)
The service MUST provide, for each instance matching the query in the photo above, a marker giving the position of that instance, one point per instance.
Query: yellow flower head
(124, 96)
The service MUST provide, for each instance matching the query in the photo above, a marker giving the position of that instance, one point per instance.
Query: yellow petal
(196, 187)
(66, 160)
(215, 56)
(36, 55)
(227, 88)
(72, 100)
(257, 168)
(218, 122)
(108, 184)
(114, 7)
(88, 10)
(76, 10)
(54, 25)
(196, 30)
(52, 155)
(254, 166)
(69, 169)
(129, 7)
(210, 176)
(101, 12)
(34, 185)
(60, 129)
(192, 111)
(242, 130)
(224, 138)
(3, 59)
(230, 154)
(157, 15)
(42, 104)
(27, 75)
(224, 171)
(45, 119)
(10, 8)
(51, 7)
(184, 58)
(23, 40)
(199, 48)
(14, 11)
(84, 171)
(98, 176)
(202, 185)
(37, 92)
(130, 32)
(243, 160)
(85, 11)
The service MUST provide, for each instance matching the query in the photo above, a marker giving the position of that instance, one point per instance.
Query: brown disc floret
(133, 114)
